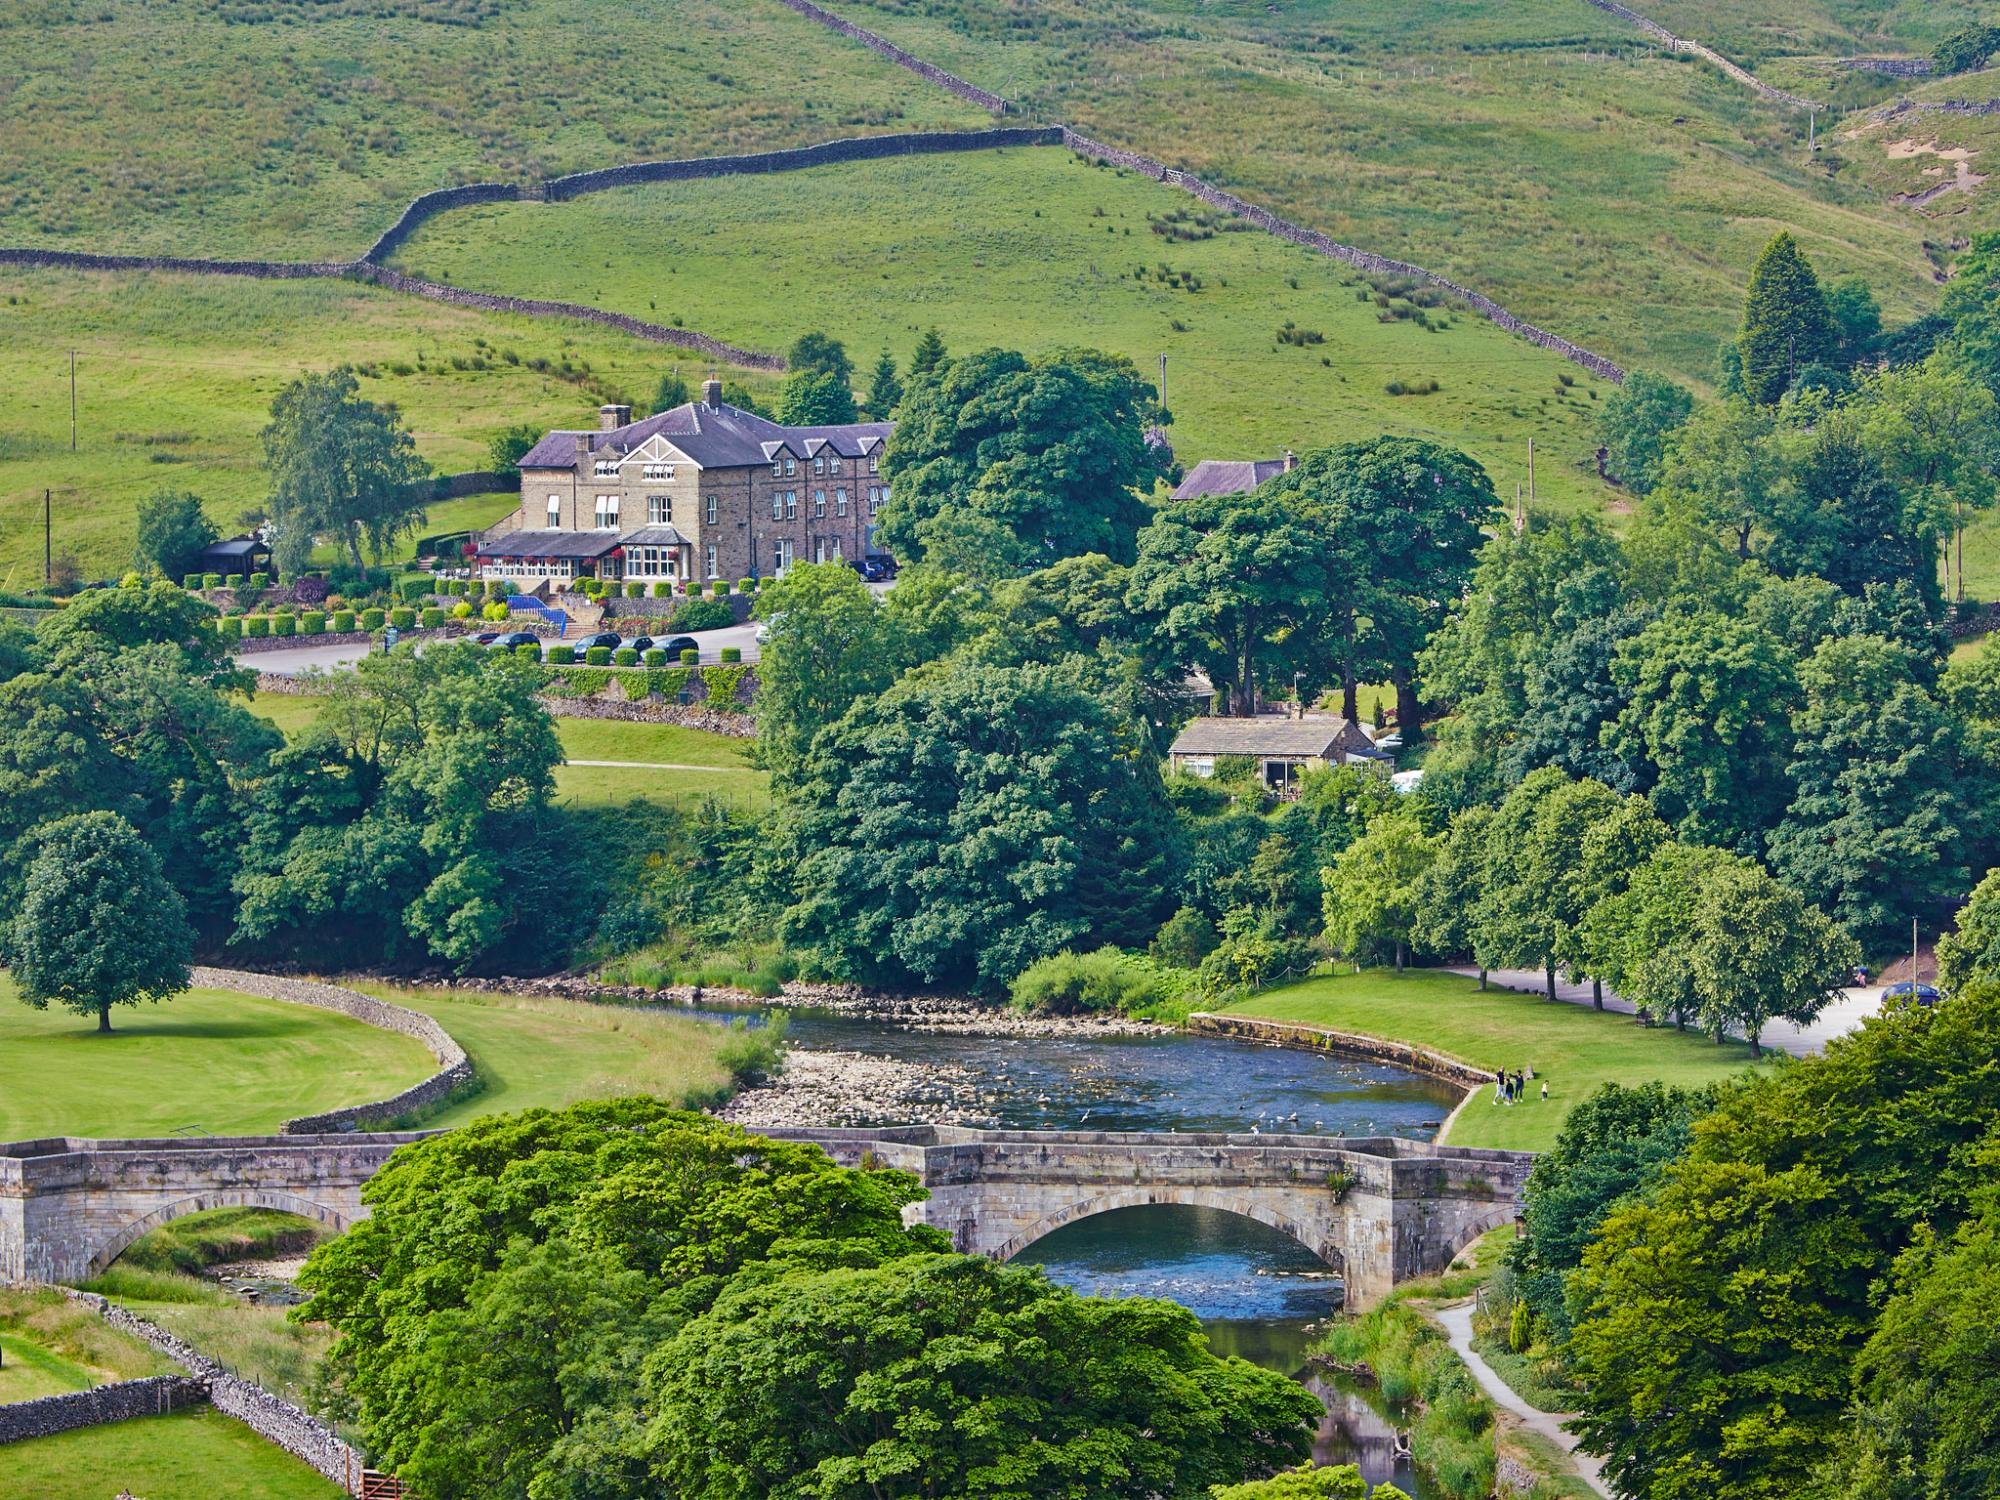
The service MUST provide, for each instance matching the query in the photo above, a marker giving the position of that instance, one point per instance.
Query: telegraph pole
(48, 554)
(1163, 380)
(72, 401)
(1531, 471)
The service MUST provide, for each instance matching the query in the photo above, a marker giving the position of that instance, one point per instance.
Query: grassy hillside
(192, 1455)
(1541, 150)
(1034, 249)
(283, 130)
(175, 376)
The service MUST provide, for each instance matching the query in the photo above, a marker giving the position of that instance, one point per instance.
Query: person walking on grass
(1545, 1091)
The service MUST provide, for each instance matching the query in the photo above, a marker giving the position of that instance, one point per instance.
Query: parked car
(641, 643)
(514, 638)
(675, 646)
(876, 567)
(608, 639)
(486, 638)
(1903, 989)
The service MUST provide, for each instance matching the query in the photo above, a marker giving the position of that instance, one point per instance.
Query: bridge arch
(1472, 1229)
(1185, 1197)
(129, 1234)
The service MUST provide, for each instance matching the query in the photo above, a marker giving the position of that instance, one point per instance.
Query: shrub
(597, 656)
(228, 629)
(663, 590)
(495, 611)
(701, 614)
(260, 580)
(309, 589)
(234, 581)
(282, 625)
(529, 653)
(561, 656)
(256, 627)
(690, 657)
(656, 658)
(746, 586)
(498, 588)
(624, 656)
(1185, 939)
(402, 617)
(211, 580)
(635, 589)
(731, 655)
(452, 586)
(191, 582)
(312, 621)
(371, 619)
(343, 620)
(1068, 984)
(431, 618)
(765, 582)
(410, 590)
(461, 610)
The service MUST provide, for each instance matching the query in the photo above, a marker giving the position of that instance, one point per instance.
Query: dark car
(1902, 989)
(677, 645)
(641, 643)
(486, 638)
(608, 639)
(876, 567)
(516, 638)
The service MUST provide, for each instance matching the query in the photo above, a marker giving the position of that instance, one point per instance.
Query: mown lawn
(1031, 249)
(532, 1051)
(1574, 1048)
(191, 1455)
(224, 1063)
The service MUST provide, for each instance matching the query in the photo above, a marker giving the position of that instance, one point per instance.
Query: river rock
(853, 1088)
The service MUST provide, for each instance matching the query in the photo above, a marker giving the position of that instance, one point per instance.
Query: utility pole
(48, 552)
(1531, 471)
(1163, 380)
(72, 401)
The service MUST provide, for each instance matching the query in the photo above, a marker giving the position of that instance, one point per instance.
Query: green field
(52, 1345)
(175, 376)
(660, 755)
(192, 1455)
(534, 1052)
(1031, 248)
(224, 1063)
(1540, 150)
(1574, 1048)
(237, 127)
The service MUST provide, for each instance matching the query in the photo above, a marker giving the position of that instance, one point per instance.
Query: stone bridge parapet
(1381, 1210)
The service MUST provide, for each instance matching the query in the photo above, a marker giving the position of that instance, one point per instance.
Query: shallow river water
(1254, 1289)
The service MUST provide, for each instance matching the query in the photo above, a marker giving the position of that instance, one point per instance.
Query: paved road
(293, 661)
(1457, 1323)
(1849, 1009)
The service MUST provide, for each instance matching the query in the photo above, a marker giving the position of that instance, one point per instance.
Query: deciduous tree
(1373, 888)
(1760, 952)
(1636, 425)
(98, 924)
(173, 529)
(1970, 952)
(340, 466)
(827, 647)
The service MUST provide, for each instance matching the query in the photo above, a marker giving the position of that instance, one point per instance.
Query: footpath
(1456, 1320)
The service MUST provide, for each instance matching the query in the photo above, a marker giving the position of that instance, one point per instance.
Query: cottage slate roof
(1227, 476)
(551, 544)
(1268, 735)
(716, 437)
(241, 546)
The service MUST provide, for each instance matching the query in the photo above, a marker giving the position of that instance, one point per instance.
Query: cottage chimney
(1291, 460)
(711, 393)
(611, 417)
(585, 441)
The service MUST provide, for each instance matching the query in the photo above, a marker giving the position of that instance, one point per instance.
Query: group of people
(1508, 1087)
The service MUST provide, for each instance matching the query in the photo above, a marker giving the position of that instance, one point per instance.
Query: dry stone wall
(427, 205)
(455, 1072)
(271, 1417)
(1674, 43)
(154, 1396)
(1893, 67)
(950, 82)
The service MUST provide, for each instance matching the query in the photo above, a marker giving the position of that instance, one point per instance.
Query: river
(1256, 1291)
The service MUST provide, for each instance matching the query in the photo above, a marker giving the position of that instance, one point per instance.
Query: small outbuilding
(1230, 476)
(1284, 748)
(241, 554)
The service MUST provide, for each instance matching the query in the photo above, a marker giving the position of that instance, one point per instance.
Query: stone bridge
(69, 1207)
(1380, 1210)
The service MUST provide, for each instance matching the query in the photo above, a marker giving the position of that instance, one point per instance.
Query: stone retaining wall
(736, 725)
(455, 1071)
(427, 205)
(1326, 1039)
(153, 1396)
(271, 1417)
(1893, 67)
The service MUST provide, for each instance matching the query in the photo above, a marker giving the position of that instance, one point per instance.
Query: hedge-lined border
(455, 1071)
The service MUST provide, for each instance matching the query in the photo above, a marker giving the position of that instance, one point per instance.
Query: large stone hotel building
(702, 491)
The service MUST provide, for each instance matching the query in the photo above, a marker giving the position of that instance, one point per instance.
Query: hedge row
(317, 622)
(652, 678)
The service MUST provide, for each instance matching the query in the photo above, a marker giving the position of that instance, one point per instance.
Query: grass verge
(53, 1345)
(225, 1063)
(1575, 1049)
(192, 1455)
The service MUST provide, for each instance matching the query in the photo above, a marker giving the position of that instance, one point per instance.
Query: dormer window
(791, 467)
(833, 464)
(777, 469)
(605, 468)
(819, 464)
(659, 471)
